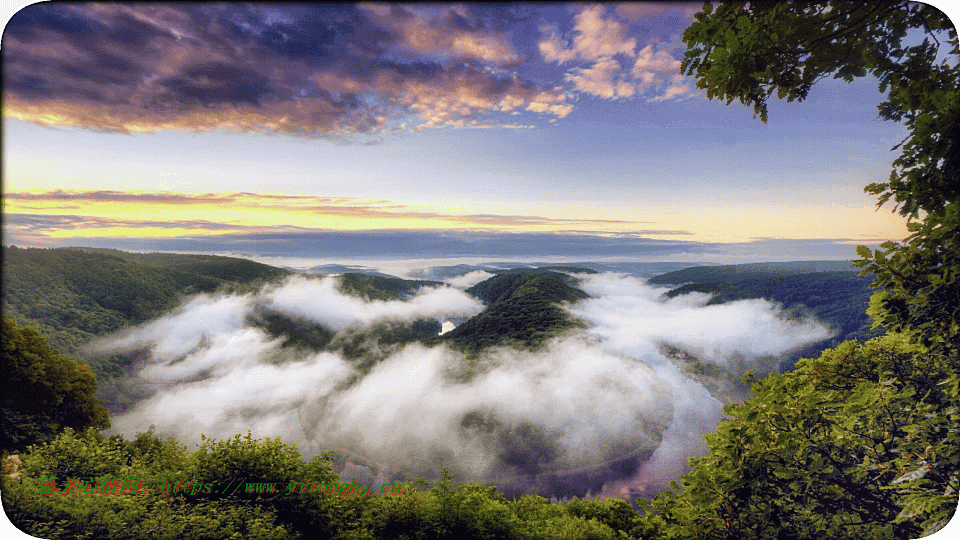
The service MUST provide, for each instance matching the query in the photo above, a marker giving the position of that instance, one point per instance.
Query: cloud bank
(342, 72)
(603, 409)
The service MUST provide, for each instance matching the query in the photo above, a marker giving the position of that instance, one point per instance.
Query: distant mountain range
(713, 274)
(326, 269)
(451, 271)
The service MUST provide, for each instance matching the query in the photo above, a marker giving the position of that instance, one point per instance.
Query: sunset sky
(525, 131)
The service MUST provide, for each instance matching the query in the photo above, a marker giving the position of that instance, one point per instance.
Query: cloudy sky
(419, 131)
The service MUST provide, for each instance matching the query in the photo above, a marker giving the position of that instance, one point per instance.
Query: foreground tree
(205, 494)
(749, 51)
(825, 451)
(865, 441)
(42, 391)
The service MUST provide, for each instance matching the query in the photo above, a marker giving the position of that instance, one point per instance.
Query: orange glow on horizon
(171, 214)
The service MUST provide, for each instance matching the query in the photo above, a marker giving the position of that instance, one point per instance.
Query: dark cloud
(73, 52)
(216, 83)
(28, 22)
(322, 35)
(312, 71)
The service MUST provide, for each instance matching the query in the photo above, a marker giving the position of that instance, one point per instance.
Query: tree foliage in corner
(42, 391)
(748, 52)
(827, 451)
(865, 441)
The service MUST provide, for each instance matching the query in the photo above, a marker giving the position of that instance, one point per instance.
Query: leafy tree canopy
(827, 452)
(749, 51)
(42, 391)
(862, 442)
(205, 505)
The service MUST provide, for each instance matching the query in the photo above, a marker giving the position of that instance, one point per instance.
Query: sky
(352, 132)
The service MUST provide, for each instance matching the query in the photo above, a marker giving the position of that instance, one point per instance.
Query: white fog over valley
(597, 406)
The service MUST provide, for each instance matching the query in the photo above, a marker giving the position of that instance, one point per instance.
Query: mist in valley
(615, 406)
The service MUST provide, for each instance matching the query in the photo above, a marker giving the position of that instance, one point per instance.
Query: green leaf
(732, 43)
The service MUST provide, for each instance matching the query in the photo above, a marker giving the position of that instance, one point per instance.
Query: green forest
(75, 294)
(861, 440)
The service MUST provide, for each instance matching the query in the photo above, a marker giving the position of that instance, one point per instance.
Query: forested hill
(726, 273)
(75, 294)
(837, 298)
(521, 309)
(380, 287)
(215, 266)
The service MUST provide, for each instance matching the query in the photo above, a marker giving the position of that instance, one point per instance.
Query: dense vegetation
(861, 442)
(420, 511)
(865, 441)
(41, 391)
(821, 452)
(522, 310)
(857, 443)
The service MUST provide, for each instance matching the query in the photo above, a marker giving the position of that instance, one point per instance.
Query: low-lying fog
(601, 407)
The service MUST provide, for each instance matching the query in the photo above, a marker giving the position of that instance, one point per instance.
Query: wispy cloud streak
(43, 213)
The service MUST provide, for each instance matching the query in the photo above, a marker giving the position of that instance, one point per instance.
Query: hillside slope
(522, 310)
(75, 294)
(837, 298)
(740, 272)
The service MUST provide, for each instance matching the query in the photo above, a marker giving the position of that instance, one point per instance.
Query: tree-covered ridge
(556, 286)
(216, 266)
(42, 391)
(75, 294)
(743, 272)
(839, 300)
(375, 287)
(522, 309)
(365, 346)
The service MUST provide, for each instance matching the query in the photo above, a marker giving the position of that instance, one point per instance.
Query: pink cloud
(594, 37)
